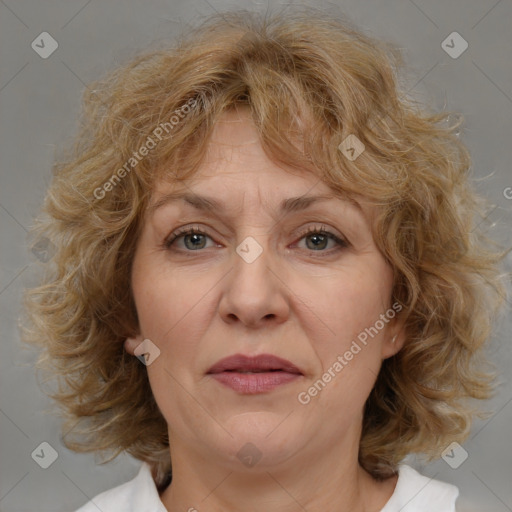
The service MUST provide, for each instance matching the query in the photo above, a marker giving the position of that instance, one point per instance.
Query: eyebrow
(209, 204)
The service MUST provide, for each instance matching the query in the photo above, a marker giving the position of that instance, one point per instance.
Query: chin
(259, 440)
(258, 425)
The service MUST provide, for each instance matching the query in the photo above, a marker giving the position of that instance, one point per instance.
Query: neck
(309, 481)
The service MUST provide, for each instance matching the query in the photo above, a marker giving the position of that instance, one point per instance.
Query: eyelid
(182, 231)
(323, 229)
(317, 228)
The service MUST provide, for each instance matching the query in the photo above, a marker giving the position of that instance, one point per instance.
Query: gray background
(39, 107)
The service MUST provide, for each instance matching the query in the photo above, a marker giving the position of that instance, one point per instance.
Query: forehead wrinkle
(215, 207)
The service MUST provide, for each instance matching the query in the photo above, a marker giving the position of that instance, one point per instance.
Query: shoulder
(139, 494)
(417, 493)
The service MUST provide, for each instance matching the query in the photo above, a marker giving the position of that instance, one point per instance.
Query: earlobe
(393, 345)
(130, 344)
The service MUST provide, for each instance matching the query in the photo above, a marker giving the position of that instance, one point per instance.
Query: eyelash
(310, 231)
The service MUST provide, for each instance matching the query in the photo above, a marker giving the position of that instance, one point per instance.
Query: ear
(130, 344)
(395, 339)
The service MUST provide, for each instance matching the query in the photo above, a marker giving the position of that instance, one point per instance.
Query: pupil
(317, 239)
(317, 236)
(194, 237)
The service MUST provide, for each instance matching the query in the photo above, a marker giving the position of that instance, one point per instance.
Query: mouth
(253, 375)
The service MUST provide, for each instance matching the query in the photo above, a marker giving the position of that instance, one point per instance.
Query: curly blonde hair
(310, 80)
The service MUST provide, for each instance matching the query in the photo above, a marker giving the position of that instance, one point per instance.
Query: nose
(254, 292)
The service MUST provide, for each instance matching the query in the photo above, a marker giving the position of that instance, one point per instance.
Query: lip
(270, 372)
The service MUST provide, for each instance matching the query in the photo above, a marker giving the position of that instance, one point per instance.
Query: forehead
(234, 151)
(235, 163)
(236, 173)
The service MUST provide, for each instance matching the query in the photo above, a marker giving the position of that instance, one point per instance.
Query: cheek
(347, 323)
(350, 301)
(167, 299)
(171, 307)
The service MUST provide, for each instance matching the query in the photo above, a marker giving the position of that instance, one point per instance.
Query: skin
(199, 306)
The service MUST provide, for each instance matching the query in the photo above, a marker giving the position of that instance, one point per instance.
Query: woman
(268, 277)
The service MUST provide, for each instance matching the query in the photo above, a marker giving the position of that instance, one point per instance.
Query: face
(304, 284)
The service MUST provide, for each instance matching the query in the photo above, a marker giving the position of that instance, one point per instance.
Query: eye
(193, 238)
(317, 239)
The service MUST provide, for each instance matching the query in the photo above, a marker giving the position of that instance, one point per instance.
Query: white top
(413, 493)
